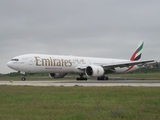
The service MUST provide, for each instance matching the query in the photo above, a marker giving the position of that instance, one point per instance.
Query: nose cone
(9, 64)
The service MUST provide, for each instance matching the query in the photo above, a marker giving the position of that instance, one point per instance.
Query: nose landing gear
(23, 78)
(23, 75)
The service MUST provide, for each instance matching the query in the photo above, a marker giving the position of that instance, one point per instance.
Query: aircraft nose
(9, 64)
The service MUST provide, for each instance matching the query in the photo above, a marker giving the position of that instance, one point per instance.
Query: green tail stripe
(140, 48)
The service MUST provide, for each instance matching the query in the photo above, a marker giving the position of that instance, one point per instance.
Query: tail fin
(138, 52)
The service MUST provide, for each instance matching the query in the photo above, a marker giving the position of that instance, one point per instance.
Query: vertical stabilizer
(138, 52)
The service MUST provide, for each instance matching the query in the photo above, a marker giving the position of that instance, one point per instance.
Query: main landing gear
(81, 77)
(98, 78)
(102, 78)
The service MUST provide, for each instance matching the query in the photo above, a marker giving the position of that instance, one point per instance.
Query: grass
(77, 103)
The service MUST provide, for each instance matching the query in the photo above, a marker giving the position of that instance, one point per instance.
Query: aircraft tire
(23, 78)
(81, 79)
(106, 78)
(102, 78)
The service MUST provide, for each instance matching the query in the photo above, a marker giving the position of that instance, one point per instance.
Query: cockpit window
(14, 59)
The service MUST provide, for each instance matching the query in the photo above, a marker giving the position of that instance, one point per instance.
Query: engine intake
(94, 71)
(57, 75)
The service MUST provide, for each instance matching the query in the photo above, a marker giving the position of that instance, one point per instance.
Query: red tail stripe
(134, 55)
(129, 68)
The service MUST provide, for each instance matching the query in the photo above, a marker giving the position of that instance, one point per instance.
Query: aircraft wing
(126, 63)
(120, 64)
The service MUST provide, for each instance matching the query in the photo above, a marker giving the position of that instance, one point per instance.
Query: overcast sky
(95, 28)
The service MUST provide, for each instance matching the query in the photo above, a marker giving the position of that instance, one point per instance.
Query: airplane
(57, 66)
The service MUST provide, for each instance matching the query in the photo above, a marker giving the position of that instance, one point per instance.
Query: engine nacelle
(57, 75)
(94, 71)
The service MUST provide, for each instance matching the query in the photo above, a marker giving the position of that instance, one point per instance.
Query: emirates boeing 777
(57, 66)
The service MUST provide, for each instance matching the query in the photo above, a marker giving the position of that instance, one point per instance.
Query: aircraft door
(30, 61)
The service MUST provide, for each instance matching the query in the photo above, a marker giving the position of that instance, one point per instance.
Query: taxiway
(68, 83)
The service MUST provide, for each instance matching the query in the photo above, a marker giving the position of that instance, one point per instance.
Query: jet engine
(94, 71)
(57, 75)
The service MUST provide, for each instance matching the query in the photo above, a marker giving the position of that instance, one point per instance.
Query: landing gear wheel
(102, 78)
(81, 77)
(23, 78)
(107, 78)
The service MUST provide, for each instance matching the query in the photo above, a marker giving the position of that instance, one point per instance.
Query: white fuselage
(40, 63)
